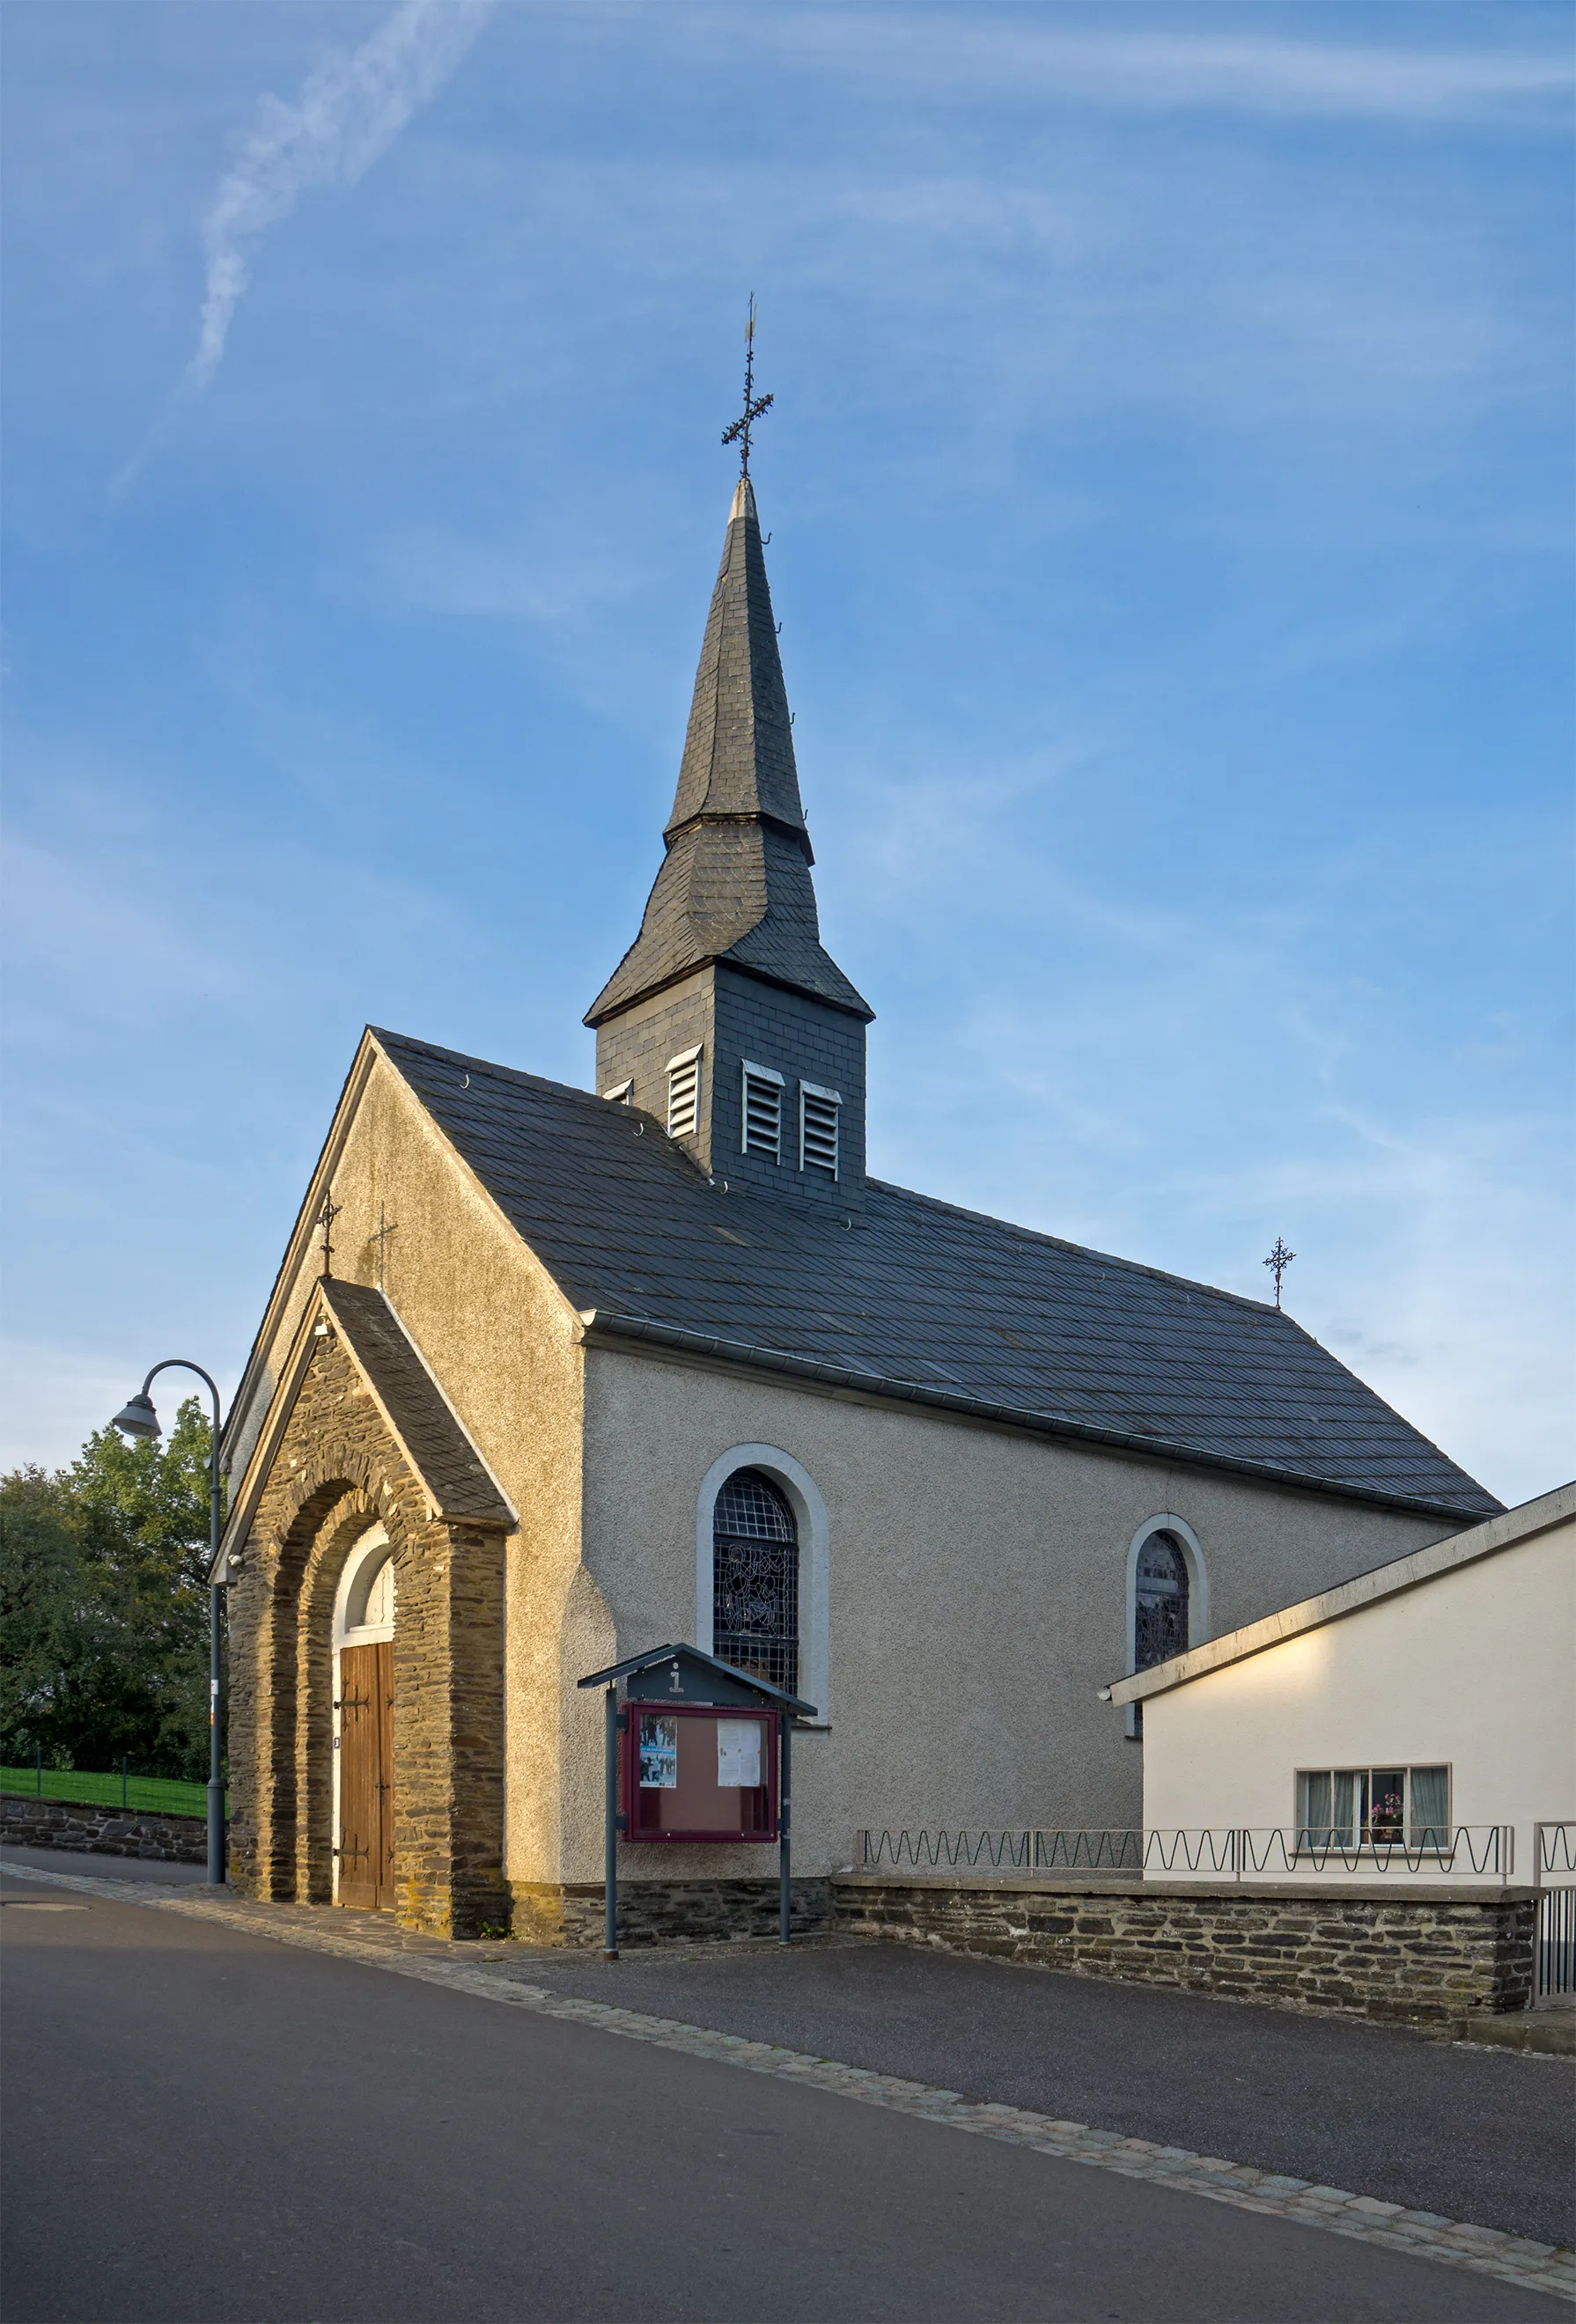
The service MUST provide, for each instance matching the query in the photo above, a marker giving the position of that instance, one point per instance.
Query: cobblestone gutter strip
(489, 1974)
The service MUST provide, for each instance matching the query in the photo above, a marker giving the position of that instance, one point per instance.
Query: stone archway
(311, 1623)
(329, 1482)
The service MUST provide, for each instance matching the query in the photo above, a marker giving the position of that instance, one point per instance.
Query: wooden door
(367, 1776)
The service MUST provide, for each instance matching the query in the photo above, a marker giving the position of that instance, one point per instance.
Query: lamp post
(137, 1418)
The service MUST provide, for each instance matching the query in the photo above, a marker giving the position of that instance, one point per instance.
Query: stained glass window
(1160, 1618)
(755, 1581)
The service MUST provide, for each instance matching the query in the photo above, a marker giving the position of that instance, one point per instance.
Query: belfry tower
(726, 1017)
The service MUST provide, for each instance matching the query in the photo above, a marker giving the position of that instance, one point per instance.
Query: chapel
(551, 1376)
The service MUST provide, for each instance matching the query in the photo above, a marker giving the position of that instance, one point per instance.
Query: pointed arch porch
(336, 1467)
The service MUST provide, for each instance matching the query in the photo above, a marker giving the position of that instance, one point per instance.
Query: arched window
(1160, 1602)
(369, 1603)
(755, 1580)
(365, 1602)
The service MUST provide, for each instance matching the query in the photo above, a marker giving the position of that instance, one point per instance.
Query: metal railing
(1234, 1852)
(1000, 1851)
(1554, 1873)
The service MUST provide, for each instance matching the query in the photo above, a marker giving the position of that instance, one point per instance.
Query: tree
(103, 1604)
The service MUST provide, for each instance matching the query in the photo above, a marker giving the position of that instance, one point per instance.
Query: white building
(1436, 1693)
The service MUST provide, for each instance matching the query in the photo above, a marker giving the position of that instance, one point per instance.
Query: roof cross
(325, 1219)
(1279, 1259)
(754, 405)
(381, 1236)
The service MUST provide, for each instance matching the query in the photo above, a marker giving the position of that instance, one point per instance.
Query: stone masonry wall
(664, 1911)
(1410, 1955)
(338, 1473)
(104, 1831)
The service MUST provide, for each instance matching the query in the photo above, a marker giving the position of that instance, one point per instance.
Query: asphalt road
(1482, 2135)
(204, 2126)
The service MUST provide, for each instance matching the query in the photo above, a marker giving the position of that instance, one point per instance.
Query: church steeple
(731, 920)
(738, 748)
(736, 882)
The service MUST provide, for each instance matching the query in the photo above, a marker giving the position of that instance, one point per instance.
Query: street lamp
(137, 1418)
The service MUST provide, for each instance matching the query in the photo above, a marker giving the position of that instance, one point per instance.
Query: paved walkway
(1004, 2025)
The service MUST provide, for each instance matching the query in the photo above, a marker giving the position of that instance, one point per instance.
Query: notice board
(700, 1772)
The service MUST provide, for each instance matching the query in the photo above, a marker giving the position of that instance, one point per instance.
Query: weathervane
(754, 405)
(325, 1219)
(1279, 1259)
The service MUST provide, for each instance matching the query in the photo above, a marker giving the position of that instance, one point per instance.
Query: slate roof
(736, 882)
(916, 1299)
(440, 1453)
(441, 1457)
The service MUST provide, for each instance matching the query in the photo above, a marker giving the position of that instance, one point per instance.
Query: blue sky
(1169, 485)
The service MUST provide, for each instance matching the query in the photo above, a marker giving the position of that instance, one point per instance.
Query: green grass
(152, 1794)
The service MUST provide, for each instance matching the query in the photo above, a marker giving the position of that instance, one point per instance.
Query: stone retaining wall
(1424, 1956)
(104, 1831)
(664, 1911)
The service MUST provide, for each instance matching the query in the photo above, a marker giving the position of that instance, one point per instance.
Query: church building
(551, 1377)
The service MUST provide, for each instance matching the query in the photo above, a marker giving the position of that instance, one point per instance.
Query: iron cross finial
(380, 1235)
(754, 405)
(1279, 1259)
(325, 1218)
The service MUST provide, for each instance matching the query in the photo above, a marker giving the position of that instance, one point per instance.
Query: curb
(1426, 2234)
(1550, 2032)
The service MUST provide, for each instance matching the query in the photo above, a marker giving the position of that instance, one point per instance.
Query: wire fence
(84, 1787)
(1235, 1852)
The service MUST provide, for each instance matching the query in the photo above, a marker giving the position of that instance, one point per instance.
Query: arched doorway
(364, 1727)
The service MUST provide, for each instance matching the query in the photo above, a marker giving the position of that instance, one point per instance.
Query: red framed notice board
(700, 1771)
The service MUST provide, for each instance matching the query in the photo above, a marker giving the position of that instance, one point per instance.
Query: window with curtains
(1358, 1807)
(755, 1580)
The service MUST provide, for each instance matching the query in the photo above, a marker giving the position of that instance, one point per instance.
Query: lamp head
(137, 1416)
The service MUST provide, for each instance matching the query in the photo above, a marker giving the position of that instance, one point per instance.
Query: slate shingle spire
(736, 883)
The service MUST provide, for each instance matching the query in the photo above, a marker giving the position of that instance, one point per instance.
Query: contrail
(350, 110)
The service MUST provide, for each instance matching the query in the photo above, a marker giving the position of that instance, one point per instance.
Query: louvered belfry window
(1160, 1616)
(763, 1111)
(818, 1114)
(755, 1581)
(683, 1093)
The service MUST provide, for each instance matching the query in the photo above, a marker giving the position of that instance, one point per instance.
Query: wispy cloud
(1162, 72)
(350, 110)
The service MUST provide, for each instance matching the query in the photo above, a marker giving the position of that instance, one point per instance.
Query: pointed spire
(739, 749)
(736, 882)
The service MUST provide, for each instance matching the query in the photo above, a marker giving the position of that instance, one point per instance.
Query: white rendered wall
(1475, 1669)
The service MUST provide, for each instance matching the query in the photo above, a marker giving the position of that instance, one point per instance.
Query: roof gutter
(602, 1324)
